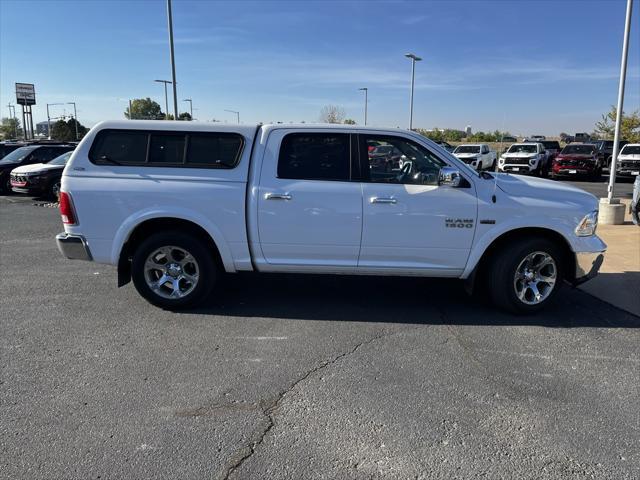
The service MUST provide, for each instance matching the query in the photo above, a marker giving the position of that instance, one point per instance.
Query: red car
(577, 159)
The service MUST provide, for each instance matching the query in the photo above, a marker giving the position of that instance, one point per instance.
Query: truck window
(166, 148)
(315, 156)
(414, 165)
(221, 150)
(120, 147)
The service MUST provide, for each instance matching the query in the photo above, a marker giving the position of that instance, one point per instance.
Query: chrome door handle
(277, 196)
(389, 200)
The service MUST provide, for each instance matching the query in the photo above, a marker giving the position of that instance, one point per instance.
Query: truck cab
(173, 204)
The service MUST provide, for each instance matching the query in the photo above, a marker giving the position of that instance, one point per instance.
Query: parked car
(524, 158)
(384, 157)
(40, 179)
(8, 147)
(37, 153)
(629, 160)
(635, 202)
(605, 151)
(577, 159)
(553, 149)
(173, 204)
(581, 137)
(478, 155)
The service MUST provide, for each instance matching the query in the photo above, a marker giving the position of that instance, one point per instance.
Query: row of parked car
(33, 167)
(547, 157)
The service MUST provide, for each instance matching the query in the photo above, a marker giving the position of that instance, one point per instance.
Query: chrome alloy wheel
(171, 272)
(535, 278)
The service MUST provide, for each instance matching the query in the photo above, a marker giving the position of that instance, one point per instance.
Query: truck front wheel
(173, 270)
(524, 277)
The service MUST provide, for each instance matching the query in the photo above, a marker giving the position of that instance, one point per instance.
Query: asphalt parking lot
(302, 377)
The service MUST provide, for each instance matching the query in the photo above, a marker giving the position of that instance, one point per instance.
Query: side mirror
(450, 177)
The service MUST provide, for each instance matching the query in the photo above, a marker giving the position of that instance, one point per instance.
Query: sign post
(26, 97)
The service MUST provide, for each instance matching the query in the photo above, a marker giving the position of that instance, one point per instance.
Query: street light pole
(49, 119)
(414, 58)
(237, 114)
(173, 60)
(623, 77)
(75, 117)
(190, 106)
(166, 98)
(366, 100)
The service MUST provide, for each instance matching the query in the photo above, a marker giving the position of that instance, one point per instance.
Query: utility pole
(414, 58)
(190, 106)
(612, 211)
(75, 117)
(173, 61)
(237, 114)
(166, 99)
(366, 101)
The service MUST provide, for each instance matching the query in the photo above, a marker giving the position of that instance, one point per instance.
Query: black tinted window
(215, 150)
(165, 148)
(315, 156)
(119, 147)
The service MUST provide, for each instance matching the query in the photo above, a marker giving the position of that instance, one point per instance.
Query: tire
(54, 189)
(507, 265)
(166, 252)
(492, 168)
(635, 215)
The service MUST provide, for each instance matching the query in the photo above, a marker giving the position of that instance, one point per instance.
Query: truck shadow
(395, 300)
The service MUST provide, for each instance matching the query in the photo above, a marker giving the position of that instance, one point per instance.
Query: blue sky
(528, 67)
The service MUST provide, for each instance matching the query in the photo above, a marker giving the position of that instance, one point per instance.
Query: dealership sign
(25, 94)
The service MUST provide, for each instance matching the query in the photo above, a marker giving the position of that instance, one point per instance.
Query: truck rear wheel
(173, 270)
(525, 276)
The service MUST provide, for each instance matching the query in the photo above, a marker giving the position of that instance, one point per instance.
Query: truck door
(309, 210)
(410, 223)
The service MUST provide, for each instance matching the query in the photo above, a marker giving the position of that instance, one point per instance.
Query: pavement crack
(270, 409)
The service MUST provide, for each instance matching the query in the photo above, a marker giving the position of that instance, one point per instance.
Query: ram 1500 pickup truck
(174, 204)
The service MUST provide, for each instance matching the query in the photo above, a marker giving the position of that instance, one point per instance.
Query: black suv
(36, 153)
(604, 150)
(7, 147)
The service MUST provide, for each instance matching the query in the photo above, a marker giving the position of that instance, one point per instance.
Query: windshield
(61, 160)
(522, 149)
(631, 150)
(17, 155)
(383, 149)
(467, 149)
(578, 150)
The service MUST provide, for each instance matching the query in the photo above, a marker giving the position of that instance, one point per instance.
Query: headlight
(587, 225)
(533, 161)
(501, 159)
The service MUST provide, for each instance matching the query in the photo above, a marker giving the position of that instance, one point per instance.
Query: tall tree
(629, 126)
(332, 114)
(10, 128)
(144, 109)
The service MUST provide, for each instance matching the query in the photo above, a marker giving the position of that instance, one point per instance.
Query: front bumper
(29, 190)
(628, 172)
(517, 168)
(572, 171)
(74, 247)
(587, 266)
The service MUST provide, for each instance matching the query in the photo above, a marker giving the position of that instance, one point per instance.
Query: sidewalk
(619, 280)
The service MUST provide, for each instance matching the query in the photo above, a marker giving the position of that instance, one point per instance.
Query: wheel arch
(526, 233)
(145, 227)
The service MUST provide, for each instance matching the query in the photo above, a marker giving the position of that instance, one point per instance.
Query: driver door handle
(389, 200)
(277, 196)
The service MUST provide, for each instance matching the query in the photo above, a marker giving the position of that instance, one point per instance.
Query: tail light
(67, 211)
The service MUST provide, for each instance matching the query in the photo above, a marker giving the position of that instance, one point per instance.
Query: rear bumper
(587, 266)
(74, 247)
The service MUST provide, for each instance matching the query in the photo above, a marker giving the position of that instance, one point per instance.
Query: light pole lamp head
(413, 56)
(363, 88)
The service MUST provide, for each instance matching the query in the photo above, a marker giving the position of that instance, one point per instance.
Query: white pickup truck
(478, 155)
(174, 204)
(526, 157)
